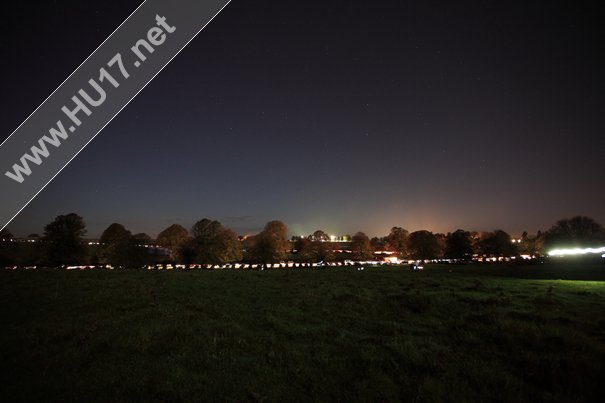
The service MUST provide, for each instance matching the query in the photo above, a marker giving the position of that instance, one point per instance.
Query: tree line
(209, 242)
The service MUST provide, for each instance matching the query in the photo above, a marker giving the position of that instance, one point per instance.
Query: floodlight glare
(575, 251)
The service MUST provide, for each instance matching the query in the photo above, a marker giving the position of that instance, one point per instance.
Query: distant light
(392, 260)
(332, 238)
(576, 251)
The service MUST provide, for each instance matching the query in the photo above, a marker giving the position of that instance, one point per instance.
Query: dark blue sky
(339, 115)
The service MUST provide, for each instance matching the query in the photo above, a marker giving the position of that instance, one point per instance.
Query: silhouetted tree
(215, 244)
(120, 248)
(319, 236)
(303, 249)
(5, 235)
(532, 245)
(423, 245)
(64, 241)
(378, 243)
(361, 247)
(578, 231)
(230, 247)
(206, 230)
(441, 241)
(476, 238)
(458, 245)
(175, 238)
(497, 243)
(7, 257)
(142, 239)
(20, 253)
(397, 241)
(271, 245)
(115, 233)
(322, 251)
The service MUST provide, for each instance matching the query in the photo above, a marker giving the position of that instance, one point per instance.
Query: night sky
(333, 115)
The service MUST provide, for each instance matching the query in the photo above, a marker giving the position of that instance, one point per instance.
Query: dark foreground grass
(300, 335)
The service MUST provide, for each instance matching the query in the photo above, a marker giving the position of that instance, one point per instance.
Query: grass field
(450, 333)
